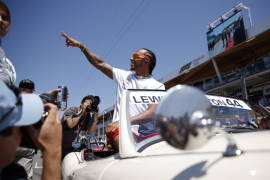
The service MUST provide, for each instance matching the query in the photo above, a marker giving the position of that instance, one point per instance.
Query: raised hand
(70, 41)
(54, 92)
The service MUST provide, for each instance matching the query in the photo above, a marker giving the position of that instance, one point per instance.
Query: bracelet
(82, 47)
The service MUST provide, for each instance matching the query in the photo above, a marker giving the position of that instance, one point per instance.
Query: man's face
(9, 145)
(4, 22)
(138, 59)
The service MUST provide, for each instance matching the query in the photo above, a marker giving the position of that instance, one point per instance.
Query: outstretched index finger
(65, 35)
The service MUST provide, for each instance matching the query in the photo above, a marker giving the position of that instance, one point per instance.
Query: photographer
(19, 112)
(23, 164)
(78, 120)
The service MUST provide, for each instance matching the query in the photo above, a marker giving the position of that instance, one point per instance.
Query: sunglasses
(139, 55)
(136, 56)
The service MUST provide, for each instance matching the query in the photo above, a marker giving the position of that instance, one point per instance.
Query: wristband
(82, 47)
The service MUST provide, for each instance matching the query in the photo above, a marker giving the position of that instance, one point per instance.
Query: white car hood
(161, 161)
(249, 141)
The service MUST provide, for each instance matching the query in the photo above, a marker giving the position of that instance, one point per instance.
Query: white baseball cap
(22, 110)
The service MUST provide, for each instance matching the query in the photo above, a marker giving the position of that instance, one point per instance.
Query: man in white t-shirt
(143, 62)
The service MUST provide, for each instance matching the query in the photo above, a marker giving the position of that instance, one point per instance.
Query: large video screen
(226, 35)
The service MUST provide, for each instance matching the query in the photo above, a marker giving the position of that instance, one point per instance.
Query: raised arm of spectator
(91, 57)
(54, 92)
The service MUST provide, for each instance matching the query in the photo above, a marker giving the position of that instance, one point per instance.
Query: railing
(258, 66)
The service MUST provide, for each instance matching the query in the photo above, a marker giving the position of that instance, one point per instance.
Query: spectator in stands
(7, 70)
(27, 86)
(143, 62)
(21, 111)
(77, 121)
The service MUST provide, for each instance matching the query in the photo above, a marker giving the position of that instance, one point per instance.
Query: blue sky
(174, 29)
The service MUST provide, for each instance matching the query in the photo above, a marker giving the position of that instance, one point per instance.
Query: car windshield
(230, 114)
(228, 117)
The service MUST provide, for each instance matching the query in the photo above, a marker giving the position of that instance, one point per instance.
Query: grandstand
(242, 71)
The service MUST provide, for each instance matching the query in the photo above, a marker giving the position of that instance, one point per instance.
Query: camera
(59, 102)
(46, 98)
(94, 106)
(62, 97)
(26, 140)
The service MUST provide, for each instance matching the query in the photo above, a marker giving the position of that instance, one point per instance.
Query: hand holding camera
(49, 134)
(51, 103)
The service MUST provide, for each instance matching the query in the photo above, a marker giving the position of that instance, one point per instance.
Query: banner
(145, 97)
(226, 35)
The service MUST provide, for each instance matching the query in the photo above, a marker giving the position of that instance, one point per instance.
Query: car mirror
(183, 118)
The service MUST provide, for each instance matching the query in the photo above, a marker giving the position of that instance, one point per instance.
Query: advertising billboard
(226, 35)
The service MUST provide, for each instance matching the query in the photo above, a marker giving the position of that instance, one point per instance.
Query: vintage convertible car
(192, 136)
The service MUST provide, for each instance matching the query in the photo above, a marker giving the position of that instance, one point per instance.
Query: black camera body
(94, 106)
(47, 98)
(26, 140)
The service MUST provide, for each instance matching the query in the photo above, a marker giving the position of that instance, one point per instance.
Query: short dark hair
(152, 57)
(27, 84)
(88, 97)
(5, 8)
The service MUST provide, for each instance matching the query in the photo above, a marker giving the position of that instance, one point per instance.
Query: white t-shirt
(129, 80)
